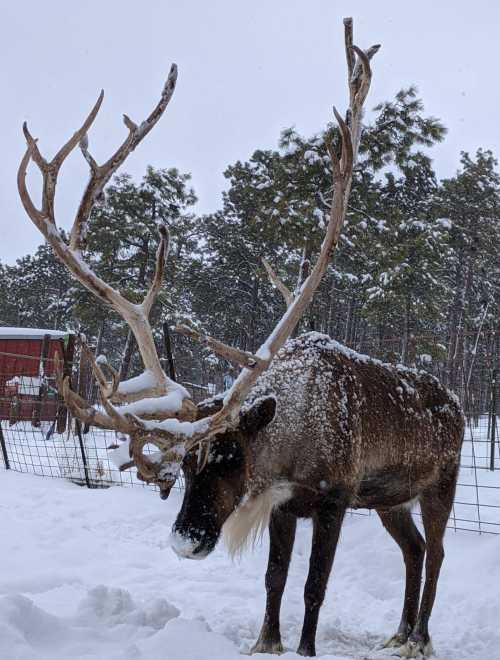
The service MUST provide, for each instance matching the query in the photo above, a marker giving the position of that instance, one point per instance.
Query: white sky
(247, 69)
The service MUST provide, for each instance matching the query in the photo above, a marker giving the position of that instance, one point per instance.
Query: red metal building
(27, 373)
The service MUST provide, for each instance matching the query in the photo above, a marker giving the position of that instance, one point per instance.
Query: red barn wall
(21, 357)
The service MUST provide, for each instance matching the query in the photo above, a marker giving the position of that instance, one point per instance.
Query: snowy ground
(88, 574)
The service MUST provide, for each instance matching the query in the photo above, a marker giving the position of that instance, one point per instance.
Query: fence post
(68, 351)
(4, 449)
(78, 427)
(42, 388)
(493, 418)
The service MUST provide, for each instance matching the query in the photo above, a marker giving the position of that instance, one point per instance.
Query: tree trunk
(253, 317)
(128, 351)
(98, 351)
(168, 350)
(305, 267)
(331, 301)
(457, 322)
(348, 334)
(405, 349)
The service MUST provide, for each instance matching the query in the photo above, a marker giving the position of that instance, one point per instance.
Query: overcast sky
(247, 69)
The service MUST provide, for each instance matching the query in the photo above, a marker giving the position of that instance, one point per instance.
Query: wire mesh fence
(33, 439)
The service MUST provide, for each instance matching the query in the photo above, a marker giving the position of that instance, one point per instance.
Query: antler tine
(104, 387)
(348, 37)
(115, 415)
(84, 411)
(337, 172)
(149, 470)
(161, 258)
(229, 353)
(370, 52)
(347, 151)
(115, 379)
(359, 78)
(84, 148)
(278, 283)
(364, 80)
(100, 174)
(82, 408)
(33, 149)
(49, 170)
(67, 148)
(36, 215)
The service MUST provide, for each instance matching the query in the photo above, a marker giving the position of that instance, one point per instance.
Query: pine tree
(37, 292)
(470, 204)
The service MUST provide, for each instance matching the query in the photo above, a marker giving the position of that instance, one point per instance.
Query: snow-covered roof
(30, 333)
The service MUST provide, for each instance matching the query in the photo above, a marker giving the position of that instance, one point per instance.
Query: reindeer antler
(144, 407)
(153, 384)
(358, 64)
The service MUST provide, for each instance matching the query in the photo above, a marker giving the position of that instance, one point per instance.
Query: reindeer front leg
(281, 538)
(327, 523)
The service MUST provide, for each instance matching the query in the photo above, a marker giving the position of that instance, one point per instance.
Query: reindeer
(325, 429)
(308, 428)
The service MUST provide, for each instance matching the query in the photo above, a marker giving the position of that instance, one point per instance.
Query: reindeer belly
(392, 486)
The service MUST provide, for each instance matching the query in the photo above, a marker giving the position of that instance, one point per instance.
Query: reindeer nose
(185, 546)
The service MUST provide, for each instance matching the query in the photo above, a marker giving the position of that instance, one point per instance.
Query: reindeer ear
(259, 415)
(209, 406)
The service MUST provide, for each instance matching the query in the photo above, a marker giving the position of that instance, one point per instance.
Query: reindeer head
(215, 476)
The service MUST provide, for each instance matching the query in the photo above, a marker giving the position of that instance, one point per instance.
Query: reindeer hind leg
(435, 503)
(399, 523)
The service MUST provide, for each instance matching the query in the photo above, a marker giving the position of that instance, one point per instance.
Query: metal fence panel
(86, 459)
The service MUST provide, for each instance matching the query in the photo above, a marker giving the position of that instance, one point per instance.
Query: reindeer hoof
(306, 650)
(395, 641)
(415, 649)
(260, 646)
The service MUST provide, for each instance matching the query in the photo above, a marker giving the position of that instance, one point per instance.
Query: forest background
(415, 279)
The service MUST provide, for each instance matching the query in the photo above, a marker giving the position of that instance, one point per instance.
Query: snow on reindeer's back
(291, 370)
(320, 384)
(309, 349)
